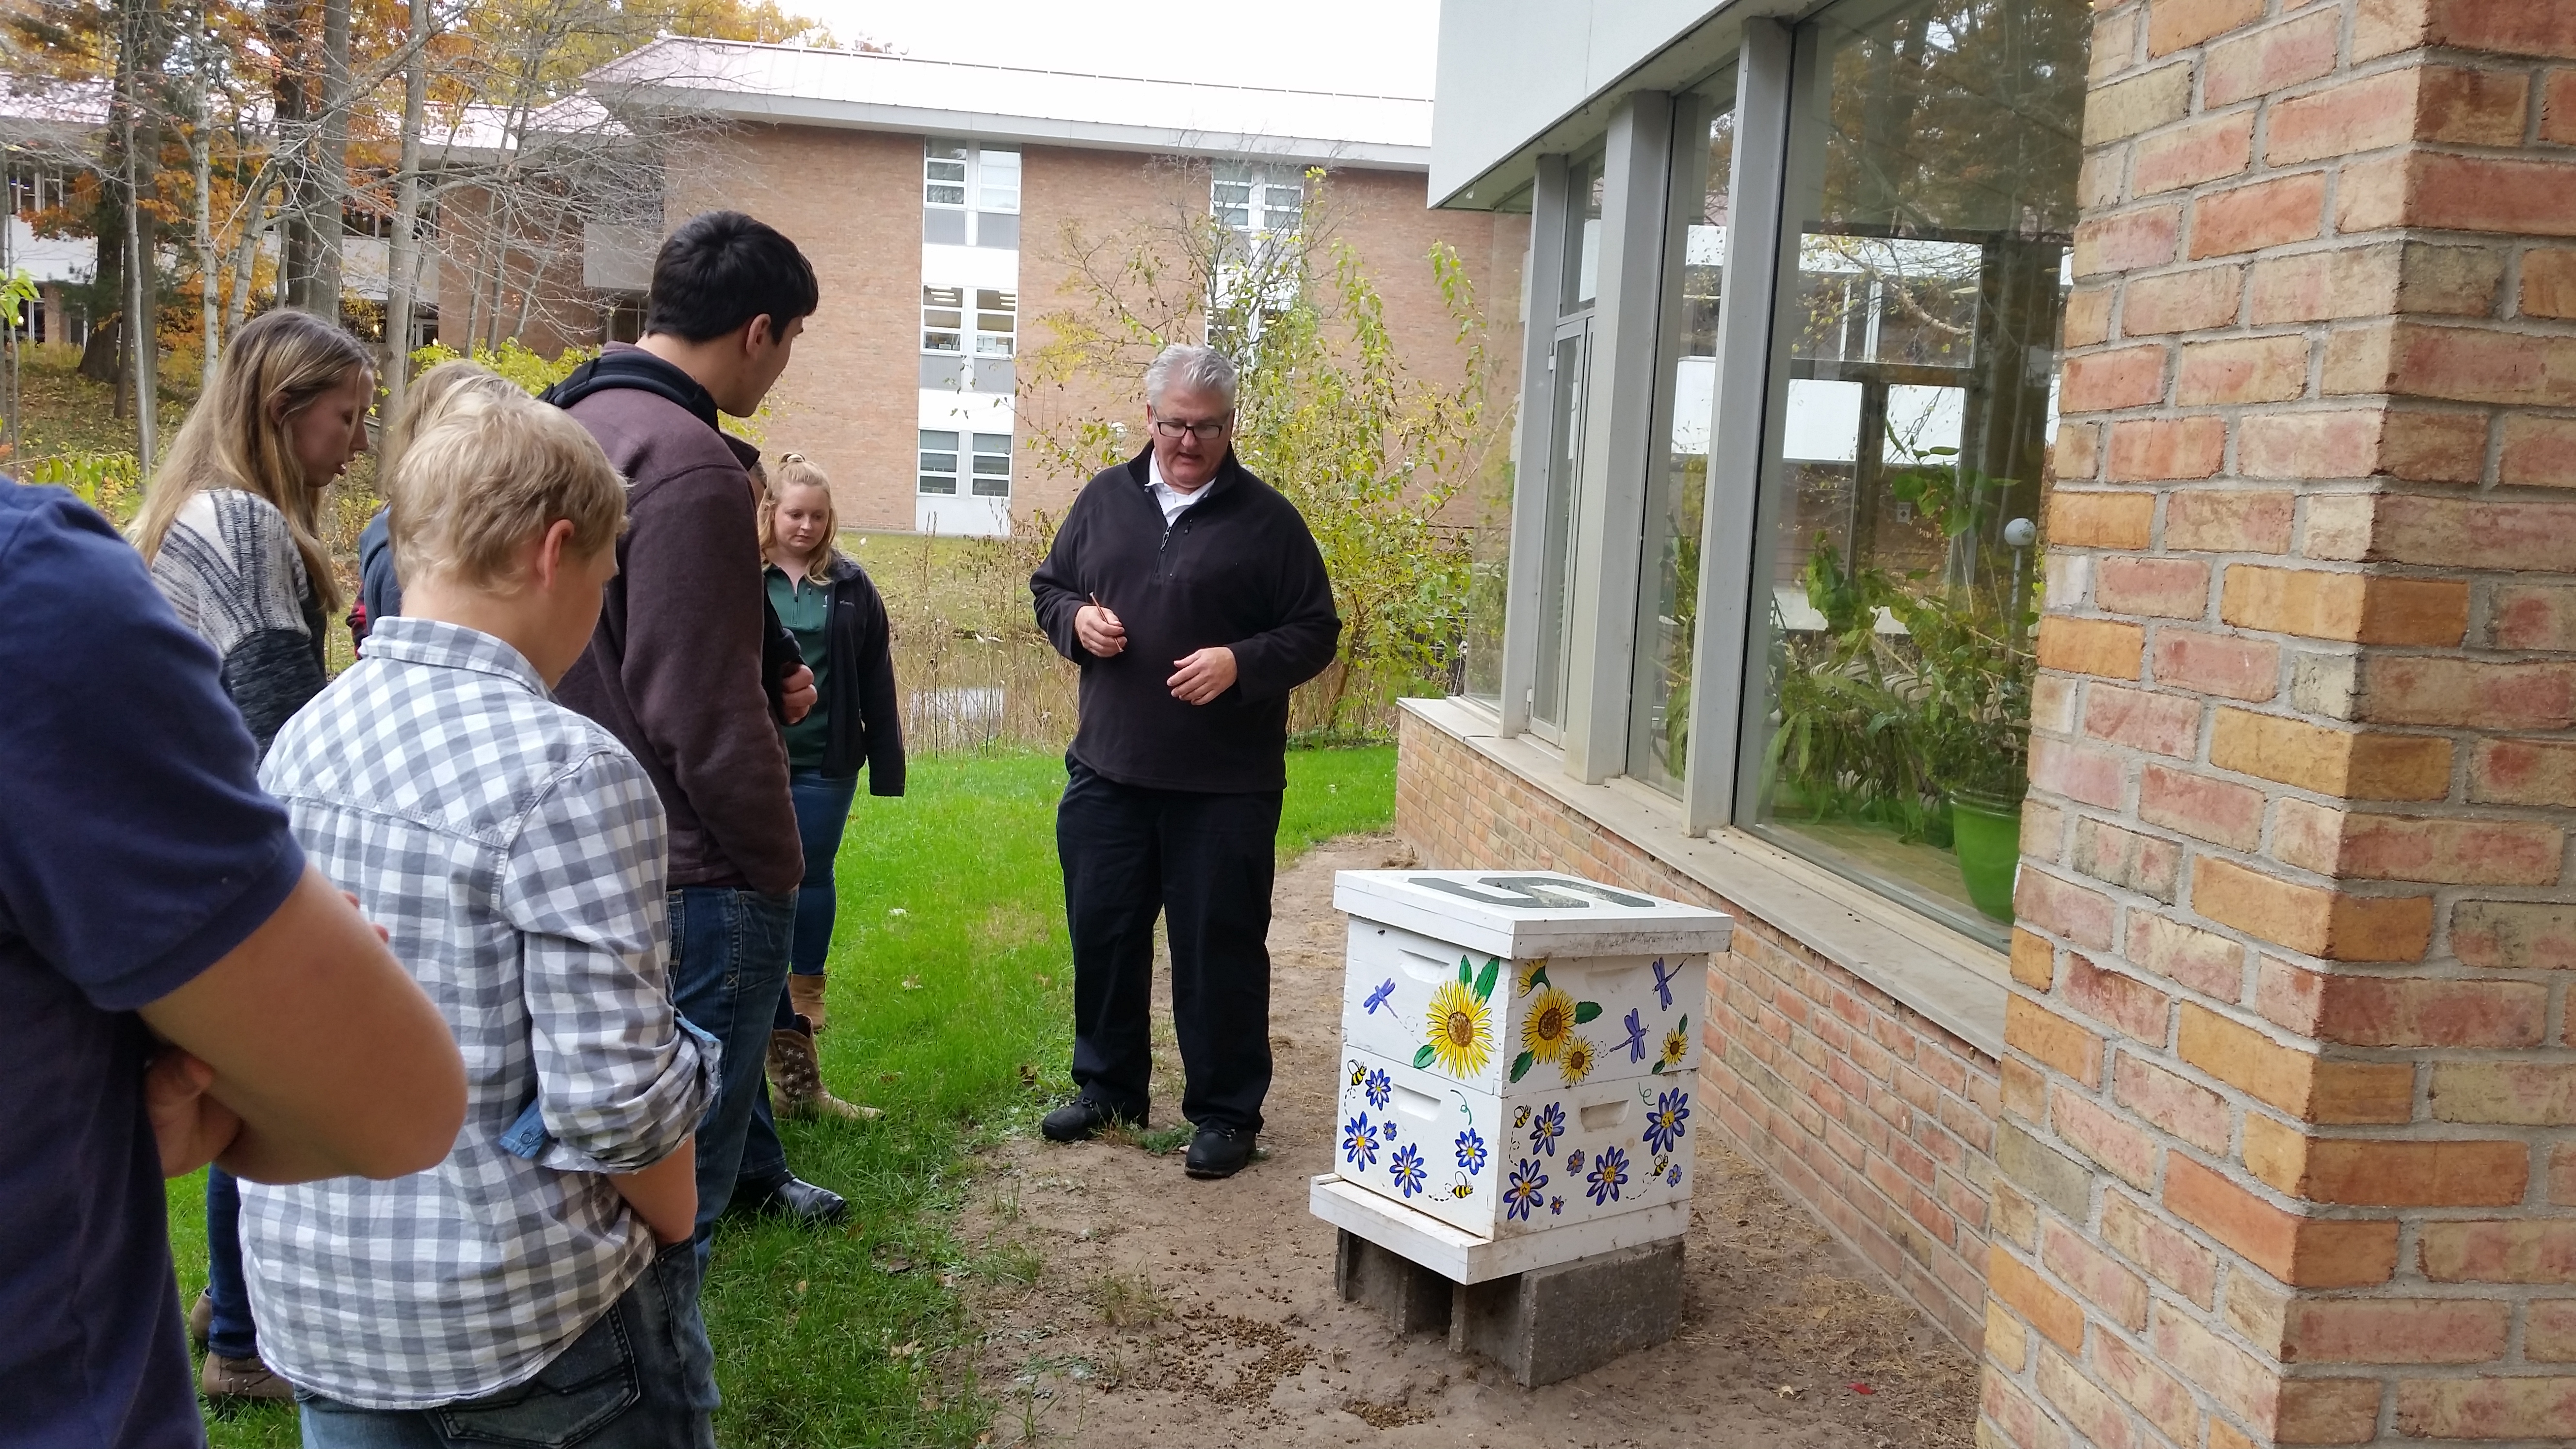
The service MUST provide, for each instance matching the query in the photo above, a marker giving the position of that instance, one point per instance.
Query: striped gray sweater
(229, 567)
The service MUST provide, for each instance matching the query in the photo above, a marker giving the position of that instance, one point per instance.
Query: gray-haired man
(1194, 599)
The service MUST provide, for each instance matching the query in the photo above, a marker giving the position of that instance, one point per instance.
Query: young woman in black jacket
(828, 603)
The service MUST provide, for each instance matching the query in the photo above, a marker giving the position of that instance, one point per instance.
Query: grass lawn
(951, 982)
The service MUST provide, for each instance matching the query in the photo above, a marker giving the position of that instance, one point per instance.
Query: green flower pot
(1987, 834)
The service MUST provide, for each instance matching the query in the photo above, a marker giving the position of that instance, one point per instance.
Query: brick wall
(1876, 1118)
(851, 201)
(2290, 1045)
(562, 313)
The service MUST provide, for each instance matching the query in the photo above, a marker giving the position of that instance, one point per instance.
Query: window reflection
(1920, 366)
(1668, 613)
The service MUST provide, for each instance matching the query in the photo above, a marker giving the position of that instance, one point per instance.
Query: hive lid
(1527, 913)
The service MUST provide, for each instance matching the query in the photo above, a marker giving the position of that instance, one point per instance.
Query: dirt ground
(1165, 1311)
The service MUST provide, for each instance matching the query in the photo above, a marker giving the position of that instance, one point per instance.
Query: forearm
(665, 1195)
(335, 1062)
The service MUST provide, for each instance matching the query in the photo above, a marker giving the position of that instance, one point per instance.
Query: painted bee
(1522, 1120)
(1358, 1074)
(1461, 1188)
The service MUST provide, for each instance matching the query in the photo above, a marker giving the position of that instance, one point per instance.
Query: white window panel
(939, 458)
(992, 465)
(943, 320)
(1823, 422)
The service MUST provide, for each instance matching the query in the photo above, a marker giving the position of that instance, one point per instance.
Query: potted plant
(1970, 637)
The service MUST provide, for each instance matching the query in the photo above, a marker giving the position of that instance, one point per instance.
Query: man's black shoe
(1217, 1152)
(798, 1201)
(1078, 1119)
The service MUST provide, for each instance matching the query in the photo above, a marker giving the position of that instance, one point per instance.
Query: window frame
(972, 182)
(1780, 89)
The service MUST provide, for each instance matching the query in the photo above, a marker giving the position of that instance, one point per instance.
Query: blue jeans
(729, 969)
(822, 811)
(234, 1335)
(642, 1377)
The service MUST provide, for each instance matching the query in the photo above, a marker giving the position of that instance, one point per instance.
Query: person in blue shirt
(177, 987)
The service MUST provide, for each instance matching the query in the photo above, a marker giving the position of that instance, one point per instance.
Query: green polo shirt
(805, 607)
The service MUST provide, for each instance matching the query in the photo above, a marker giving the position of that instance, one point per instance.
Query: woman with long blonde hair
(232, 522)
(232, 528)
(827, 601)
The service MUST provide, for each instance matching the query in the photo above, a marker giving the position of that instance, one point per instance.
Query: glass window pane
(1489, 492)
(1668, 606)
(944, 441)
(938, 195)
(988, 345)
(942, 317)
(1919, 380)
(939, 462)
(931, 483)
(1584, 183)
(995, 321)
(943, 342)
(989, 300)
(1556, 570)
(945, 171)
(992, 442)
(1233, 193)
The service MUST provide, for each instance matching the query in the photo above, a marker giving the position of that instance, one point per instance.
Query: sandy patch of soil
(1167, 1311)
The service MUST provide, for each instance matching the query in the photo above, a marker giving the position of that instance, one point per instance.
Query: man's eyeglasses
(1206, 432)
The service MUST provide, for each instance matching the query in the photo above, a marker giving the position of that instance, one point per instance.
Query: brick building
(941, 203)
(2229, 342)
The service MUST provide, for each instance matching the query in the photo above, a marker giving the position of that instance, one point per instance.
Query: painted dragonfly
(1378, 998)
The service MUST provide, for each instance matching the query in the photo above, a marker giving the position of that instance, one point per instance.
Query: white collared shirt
(1172, 500)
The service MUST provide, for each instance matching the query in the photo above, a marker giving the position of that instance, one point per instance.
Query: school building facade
(2052, 512)
(944, 206)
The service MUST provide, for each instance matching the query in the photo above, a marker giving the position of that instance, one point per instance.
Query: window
(938, 462)
(987, 460)
(1569, 372)
(1489, 493)
(992, 476)
(32, 189)
(1258, 200)
(1918, 367)
(947, 328)
(943, 319)
(970, 194)
(1677, 491)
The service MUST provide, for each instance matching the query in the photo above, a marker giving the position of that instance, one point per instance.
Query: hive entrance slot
(1602, 1116)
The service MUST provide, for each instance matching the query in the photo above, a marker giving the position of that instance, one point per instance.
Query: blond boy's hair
(434, 394)
(795, 470)
(498, 470)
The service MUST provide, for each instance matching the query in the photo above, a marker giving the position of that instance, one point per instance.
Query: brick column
(2285, 1154)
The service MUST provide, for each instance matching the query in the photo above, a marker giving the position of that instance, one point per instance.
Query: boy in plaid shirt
(537, 1287)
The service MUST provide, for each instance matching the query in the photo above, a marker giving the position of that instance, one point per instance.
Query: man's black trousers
(1204, 862)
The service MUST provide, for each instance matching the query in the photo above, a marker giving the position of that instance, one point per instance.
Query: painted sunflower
(1576, 1060)
(1676, 1045)
(1462, 1029)
(1549, 1025)
(1532, 975)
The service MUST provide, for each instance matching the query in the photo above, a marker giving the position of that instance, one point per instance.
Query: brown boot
(225, 1379)
(805, 994)
(201, 1320)
(796, 1079)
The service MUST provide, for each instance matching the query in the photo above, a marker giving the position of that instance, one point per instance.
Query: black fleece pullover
(1238, 569)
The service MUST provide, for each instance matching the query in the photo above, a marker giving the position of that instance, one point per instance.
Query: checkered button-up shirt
(514, 852)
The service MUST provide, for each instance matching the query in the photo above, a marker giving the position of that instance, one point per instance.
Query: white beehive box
(1519, 1054)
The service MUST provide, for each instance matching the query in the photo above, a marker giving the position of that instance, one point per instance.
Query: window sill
(1952, 979)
